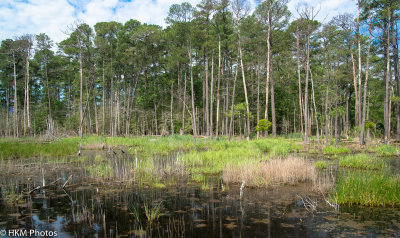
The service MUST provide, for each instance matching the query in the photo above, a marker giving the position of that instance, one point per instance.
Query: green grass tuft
(332, 150)
(387, 150)
(362, 161)
(369, 188)
(321, 165)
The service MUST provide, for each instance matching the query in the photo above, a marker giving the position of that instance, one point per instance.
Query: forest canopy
(216, 69)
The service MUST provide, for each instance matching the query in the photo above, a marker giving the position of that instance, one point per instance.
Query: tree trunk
(211, 131)
(27, 91)
(183, 109)
(233, 104)
(299, 77)
(244, 81)
(111, 96)
(387, 84)
(315, 108)
(172, 104)
(258, 95)
(192, 89)
(80, 88)
(355, 86)
(219, 82)
(104, 100)
(273, 114)
(396, 74)
(268, 66)
(7, 132)
(359, 62)
(362, 134)
(207, 114)
(306, 86)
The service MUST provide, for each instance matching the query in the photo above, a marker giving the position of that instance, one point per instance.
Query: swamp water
(121, 206)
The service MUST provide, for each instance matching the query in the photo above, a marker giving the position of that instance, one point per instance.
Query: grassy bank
(28, 148)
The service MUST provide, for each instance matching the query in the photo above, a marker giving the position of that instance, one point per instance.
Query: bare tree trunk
(359, 61)
(80, 88)
(315, 108)
(50, 118)
(183, 109)
(218, 87)
(306, 86)
(16, 133)
(111, 98)
(27, 89)
(299, 77)
(211, 131)
(355, 86)
(207, 115)
(244, 80)
(268, 66)
(258, 96)
(233, 104)
(362, 134)
(387, 84)
(7, 112)
(96, 119)
(25, 101)
(228, 75)
(396, 74)
(155, 119)
(273, 114)
(104, 100)
(172, 104)
(192, 89)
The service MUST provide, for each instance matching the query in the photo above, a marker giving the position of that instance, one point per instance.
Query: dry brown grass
(273, 172)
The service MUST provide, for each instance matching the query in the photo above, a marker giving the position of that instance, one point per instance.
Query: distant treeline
(214, 70)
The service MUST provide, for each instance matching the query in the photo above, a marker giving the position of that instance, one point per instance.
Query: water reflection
(89, 207)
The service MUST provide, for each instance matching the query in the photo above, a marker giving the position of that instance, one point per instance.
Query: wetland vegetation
(224, 123)
(164, 186)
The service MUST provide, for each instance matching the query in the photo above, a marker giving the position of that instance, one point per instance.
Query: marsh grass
(152, 212)
(362, 161)
(368, 188)
(385, 150)
(102, 170)
(291, 170)
(237, 153)
(321, 164)
(332, 150)
(28, 148)
(9, 195)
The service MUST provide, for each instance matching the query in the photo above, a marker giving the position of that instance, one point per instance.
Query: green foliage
(367, 188)
(387, 150)
(369, 124)
(321, 164)
(332, 150)
(362, 161)
(263, 125)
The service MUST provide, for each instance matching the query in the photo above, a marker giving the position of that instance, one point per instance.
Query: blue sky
(52, 17)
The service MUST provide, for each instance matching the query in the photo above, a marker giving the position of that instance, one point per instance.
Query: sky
(18, 17)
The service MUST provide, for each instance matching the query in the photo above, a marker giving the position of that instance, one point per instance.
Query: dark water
(89, 207)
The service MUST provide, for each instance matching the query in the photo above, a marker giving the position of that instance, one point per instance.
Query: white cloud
(53, 17)
(37, 16)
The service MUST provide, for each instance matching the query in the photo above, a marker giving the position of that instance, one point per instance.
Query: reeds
(272, 172)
